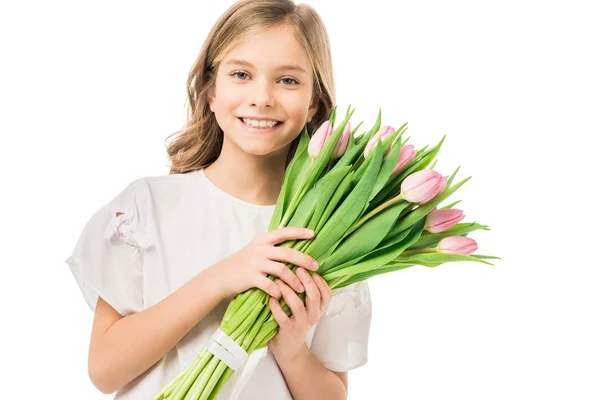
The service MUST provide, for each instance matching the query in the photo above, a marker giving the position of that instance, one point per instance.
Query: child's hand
(249, 267)
(288, 342)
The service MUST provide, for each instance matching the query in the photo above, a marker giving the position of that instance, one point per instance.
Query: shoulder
(158, 186)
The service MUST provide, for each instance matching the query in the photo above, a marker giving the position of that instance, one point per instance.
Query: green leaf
(315, 170)
(449, 206)
(292, 178)
(365, 238)
(364, 139)
(369, 274)
(379, 257)
(451, 178)
(332, 116)
(434, 258)
(432, 239)
(340, 193)
(348, 212)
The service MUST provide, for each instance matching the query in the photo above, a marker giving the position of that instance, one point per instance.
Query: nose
(261, 94)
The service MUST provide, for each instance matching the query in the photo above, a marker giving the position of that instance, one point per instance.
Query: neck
(251, 178)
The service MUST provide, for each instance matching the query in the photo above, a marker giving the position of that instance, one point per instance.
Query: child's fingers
(325, 290)
(293, 301)
(313, 296)
(280, 316)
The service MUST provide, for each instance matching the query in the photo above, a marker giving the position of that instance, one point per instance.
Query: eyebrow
(281, 67)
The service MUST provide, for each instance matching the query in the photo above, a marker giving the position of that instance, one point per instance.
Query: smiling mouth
(258, 126)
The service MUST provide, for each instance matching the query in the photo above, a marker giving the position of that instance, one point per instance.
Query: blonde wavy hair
(199, 143)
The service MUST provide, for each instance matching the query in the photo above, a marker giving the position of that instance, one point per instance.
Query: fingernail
(316, 265)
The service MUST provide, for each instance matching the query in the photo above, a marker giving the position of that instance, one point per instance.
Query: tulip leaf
(389, 163)
(387, 242)
(364, 139)
(432, 239)
(366, 237)
(332, 116)
(451, 178)
(369, 274)
(326, 188)
(348, 211)
(435, 259)
(483, 257)
(315, 170)
(292, 178)
(341, 191)
(449, 206)
(379, 257)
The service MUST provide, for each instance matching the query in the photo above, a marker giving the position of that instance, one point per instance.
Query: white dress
(172, 227)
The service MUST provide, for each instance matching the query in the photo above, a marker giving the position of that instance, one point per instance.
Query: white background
(89, 92)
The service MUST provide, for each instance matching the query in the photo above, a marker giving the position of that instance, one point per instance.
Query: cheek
(227, 96)
(297, 106)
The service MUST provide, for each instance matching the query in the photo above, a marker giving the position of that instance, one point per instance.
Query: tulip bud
(407, 153)
(382, 134)
(343, 143)
(317, 141)
(439, 220)
(457, 245)
(422, 186)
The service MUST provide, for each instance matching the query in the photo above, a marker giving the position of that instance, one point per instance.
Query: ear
(211, 98)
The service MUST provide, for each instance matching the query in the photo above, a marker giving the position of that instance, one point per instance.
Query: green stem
(190, 379)
(415, 251)
(383, 206)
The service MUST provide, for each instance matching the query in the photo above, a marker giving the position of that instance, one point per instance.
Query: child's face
(264, 90)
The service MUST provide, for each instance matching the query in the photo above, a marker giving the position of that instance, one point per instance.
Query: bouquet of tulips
(373, 205)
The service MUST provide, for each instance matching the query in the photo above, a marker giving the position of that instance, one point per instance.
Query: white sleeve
(341, 337)
(107, 260)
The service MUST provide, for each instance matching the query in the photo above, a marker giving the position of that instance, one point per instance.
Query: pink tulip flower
(440, 220)
(457, 245)
(422, 186)
(407, 153)
(343, 143)
(382, 134)
(317, 141)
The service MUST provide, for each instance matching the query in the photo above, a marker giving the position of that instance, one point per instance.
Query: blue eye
(239, 72)
(290, 81)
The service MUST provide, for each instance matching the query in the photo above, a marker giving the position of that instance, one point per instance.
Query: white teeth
(262, 124)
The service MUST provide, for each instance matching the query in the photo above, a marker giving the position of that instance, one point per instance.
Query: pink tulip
(407, 153)
(422, 186)
(317, 141)
(439, 220)
(343, 143)
(457, 245)
(382, 134)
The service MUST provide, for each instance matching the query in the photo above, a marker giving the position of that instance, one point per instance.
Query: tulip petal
(457, 245)
(317, 141)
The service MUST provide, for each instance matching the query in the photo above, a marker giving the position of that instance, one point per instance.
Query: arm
(122, 348)
(324, 383)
